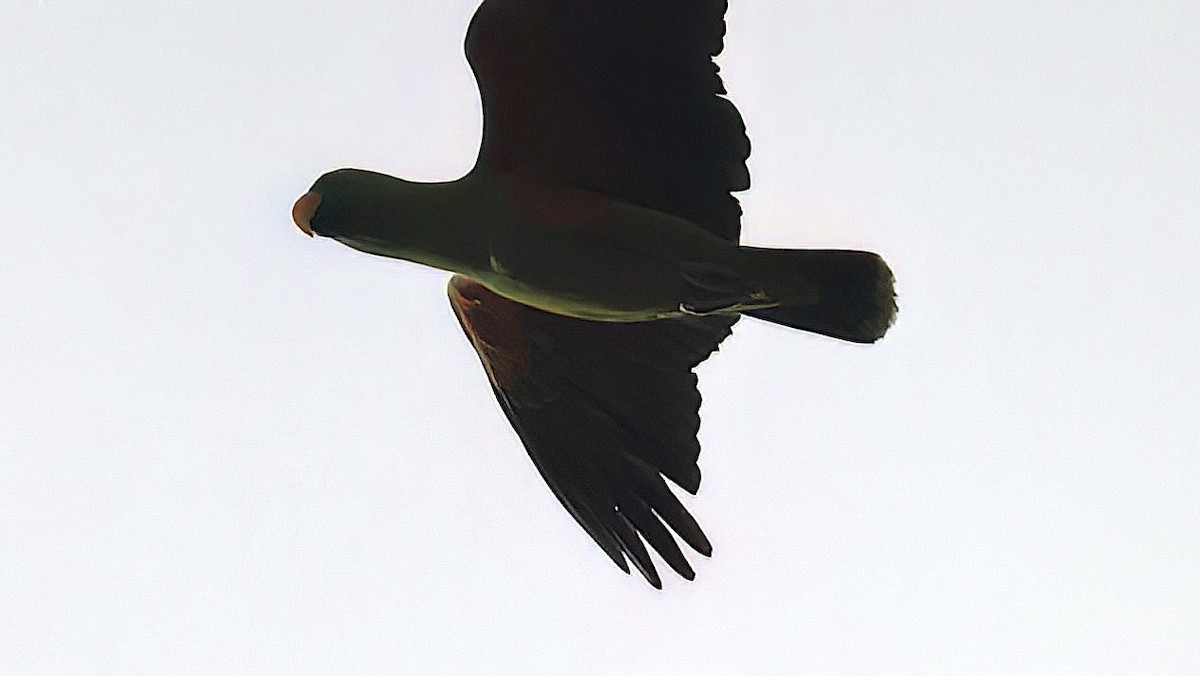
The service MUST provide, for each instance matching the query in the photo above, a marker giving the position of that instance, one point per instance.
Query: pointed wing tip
(654, 581)
(621, 563)
(688, 480)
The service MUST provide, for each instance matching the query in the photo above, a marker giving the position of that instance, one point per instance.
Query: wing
(605, 410)
(621, 97)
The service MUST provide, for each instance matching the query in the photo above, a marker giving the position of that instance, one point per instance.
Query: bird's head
(348, 204)
(429, 223)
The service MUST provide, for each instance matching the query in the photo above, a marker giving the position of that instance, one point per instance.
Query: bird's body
(595, 246)
(561, 249)
(573, 251)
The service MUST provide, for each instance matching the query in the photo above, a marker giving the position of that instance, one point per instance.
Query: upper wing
(618, 96)
(605, 411)
(621, 97)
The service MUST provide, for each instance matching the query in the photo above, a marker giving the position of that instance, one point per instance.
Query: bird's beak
(303, 210)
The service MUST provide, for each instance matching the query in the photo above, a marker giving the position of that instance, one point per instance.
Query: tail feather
(839, 293)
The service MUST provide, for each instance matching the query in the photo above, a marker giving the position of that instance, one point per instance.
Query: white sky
(226, 448)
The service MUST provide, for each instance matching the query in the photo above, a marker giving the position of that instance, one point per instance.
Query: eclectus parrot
(595, 250)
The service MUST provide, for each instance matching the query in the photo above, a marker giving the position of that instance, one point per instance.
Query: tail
(838, 293)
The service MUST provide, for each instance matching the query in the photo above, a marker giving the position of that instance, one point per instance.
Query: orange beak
(303, 210)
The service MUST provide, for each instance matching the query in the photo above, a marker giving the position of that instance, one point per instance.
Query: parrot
(595, 253)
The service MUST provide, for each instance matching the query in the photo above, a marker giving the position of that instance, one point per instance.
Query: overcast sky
(228, 448)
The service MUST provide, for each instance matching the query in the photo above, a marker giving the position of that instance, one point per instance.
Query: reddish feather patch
(493, 325)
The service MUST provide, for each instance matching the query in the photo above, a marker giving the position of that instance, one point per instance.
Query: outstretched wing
(621, 97)
(605, 410)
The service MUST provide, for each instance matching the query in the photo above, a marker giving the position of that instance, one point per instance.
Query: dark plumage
(621, 97)
(595, 243)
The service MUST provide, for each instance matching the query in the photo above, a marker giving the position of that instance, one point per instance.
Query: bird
(594, 246)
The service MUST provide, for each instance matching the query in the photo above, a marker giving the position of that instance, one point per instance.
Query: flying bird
(595, 251)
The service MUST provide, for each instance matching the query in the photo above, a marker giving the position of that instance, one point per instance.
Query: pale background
(227, 448)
